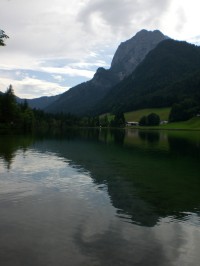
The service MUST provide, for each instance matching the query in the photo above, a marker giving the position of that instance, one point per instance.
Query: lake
(100, 197)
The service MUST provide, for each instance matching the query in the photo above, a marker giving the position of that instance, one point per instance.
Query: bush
(150, 120)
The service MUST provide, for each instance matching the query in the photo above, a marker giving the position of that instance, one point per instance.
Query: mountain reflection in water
(122, 197)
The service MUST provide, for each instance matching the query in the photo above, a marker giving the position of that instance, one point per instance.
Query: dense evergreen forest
(20, 117)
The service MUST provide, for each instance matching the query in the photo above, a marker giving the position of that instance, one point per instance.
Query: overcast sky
(56, 44)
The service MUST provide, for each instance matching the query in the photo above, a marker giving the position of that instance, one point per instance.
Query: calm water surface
(100, 198)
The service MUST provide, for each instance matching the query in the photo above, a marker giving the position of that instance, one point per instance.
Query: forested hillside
(169, 74)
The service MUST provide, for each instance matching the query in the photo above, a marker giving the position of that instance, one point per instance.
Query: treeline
(13, 115)
(19, 116)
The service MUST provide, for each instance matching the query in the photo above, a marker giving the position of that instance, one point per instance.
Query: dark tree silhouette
(3, 36)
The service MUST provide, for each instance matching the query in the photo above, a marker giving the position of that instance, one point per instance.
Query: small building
(163, 122)
(129, 124)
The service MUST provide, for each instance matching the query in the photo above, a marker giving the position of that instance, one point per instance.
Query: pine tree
(2, 37)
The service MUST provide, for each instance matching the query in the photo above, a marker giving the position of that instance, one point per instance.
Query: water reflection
(9, 145)
(100, 198)
(118, 135)
(144, 184)
(184, 146)
(149, 136)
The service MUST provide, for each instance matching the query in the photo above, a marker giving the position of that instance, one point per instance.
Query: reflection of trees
(125, 197)
(184, 146)
(7, 153)
(9, 146)
(104, 168)
(69, 134)
(150, 136)
(145, 184)
(118, 135)
(103, 135)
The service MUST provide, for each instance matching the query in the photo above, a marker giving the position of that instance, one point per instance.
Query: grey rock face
(127, 57)
(131, 52)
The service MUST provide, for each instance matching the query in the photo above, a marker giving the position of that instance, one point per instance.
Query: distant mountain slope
(82, 98)
(152, 82)
(41, 102)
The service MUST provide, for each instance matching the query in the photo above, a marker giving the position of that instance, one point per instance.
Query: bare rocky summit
(132, 52)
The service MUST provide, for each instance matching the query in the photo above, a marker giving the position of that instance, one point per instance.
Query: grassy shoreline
(190, 125)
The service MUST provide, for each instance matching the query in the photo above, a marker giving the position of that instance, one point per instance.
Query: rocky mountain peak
(131, 52)
(82, 98)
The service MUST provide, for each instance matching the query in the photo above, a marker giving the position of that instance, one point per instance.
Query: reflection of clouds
(102, 213)
(31, 172)
(180, 240)
(1, 165)
(121, 244)
(169, 243)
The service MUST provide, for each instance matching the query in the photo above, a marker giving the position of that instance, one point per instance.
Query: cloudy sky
(57, 44)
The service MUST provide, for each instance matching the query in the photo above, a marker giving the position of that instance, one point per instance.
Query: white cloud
(86, 65)
(53, 28)
(68, 71)
(32, 88)
(181, 19)
(58, 78)
(43, 28)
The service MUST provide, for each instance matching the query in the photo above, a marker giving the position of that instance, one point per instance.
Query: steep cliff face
(82, 98)
(132, 52)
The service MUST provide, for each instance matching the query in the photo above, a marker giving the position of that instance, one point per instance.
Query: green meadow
(136, 115)
(192, 124)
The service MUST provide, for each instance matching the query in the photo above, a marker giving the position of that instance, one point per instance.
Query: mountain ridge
(146, 71)
(150, 84)
(81, 99)
(40, 102)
